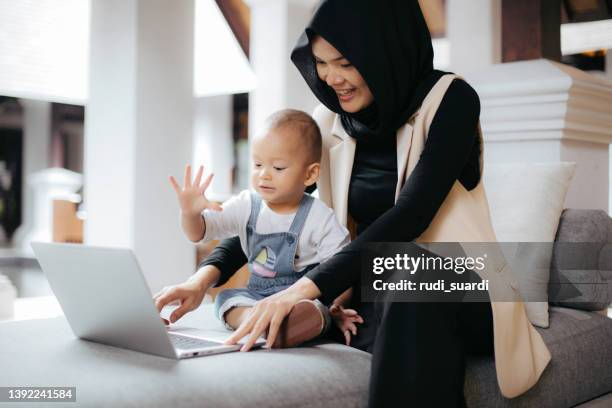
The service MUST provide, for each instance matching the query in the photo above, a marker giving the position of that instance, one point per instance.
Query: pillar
(474, 33)
(36, 156)
(138, 130)
(276, 26)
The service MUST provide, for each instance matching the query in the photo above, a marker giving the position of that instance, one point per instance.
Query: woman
(402, 162)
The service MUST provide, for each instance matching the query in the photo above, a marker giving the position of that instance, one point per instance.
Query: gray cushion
(581, 346)
(581, 270)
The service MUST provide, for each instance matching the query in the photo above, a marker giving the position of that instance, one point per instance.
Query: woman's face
(351, 89)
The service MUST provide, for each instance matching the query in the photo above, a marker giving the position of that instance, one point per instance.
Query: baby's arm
(194, 226)
(192, 202)
(345, 319)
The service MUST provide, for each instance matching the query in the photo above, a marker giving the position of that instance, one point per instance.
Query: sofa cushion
(46, 353)
(526, 201)
(323, 375)
(581, 346)
(581, 271)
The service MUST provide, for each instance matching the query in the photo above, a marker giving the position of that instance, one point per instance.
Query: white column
(214, 144)
(276, 26)
(36, 157)
(139, 129)
(474, 33)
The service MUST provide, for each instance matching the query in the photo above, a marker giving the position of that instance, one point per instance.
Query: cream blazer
(520, 353)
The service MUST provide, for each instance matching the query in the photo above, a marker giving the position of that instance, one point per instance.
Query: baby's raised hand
(191, 197)
(346, 320)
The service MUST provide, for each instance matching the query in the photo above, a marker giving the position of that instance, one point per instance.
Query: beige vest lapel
(341, 158)
(404, 141)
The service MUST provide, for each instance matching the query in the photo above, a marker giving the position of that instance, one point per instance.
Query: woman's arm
(215, 270)
(228, 257)
(450, 142)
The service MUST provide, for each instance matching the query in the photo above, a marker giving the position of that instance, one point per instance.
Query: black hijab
(389, 43)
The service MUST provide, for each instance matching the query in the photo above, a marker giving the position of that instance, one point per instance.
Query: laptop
(106, 299)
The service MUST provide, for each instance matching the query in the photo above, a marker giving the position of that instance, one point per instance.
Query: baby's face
(280, 166)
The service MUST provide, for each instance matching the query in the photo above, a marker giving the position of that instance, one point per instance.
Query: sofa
(321, 374)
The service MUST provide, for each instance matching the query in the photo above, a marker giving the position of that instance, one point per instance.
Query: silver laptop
(105, 299)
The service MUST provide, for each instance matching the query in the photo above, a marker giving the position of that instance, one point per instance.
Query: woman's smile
(345, 95)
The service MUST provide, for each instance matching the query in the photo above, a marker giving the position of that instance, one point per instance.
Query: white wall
(214, 144)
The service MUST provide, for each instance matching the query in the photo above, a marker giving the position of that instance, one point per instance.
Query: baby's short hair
(304, 124)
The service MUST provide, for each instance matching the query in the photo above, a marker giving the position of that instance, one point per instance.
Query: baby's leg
(232, 306)
(236, 315)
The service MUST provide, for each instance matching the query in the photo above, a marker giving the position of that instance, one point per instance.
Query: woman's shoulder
(321, 111)
(323, 116)
(462, 95)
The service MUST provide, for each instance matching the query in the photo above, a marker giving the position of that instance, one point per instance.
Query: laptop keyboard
(188, 343)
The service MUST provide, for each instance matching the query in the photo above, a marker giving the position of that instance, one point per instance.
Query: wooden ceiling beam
(531, 29)
(238, 16)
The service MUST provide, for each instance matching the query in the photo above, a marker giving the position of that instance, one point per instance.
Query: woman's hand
(190, 294)
(346, 320)
(191, 197)
(268, 314)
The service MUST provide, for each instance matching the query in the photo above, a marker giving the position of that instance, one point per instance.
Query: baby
(284, 231)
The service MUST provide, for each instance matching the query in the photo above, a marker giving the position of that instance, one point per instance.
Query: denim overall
(271, 260)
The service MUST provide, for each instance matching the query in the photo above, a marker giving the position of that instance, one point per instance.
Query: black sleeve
(450, 142)
(311, 189)
(228, 256)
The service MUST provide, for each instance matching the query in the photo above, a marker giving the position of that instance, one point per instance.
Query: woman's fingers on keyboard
(180, 311)
(243, 329)
(258, 330)
(166, 298)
